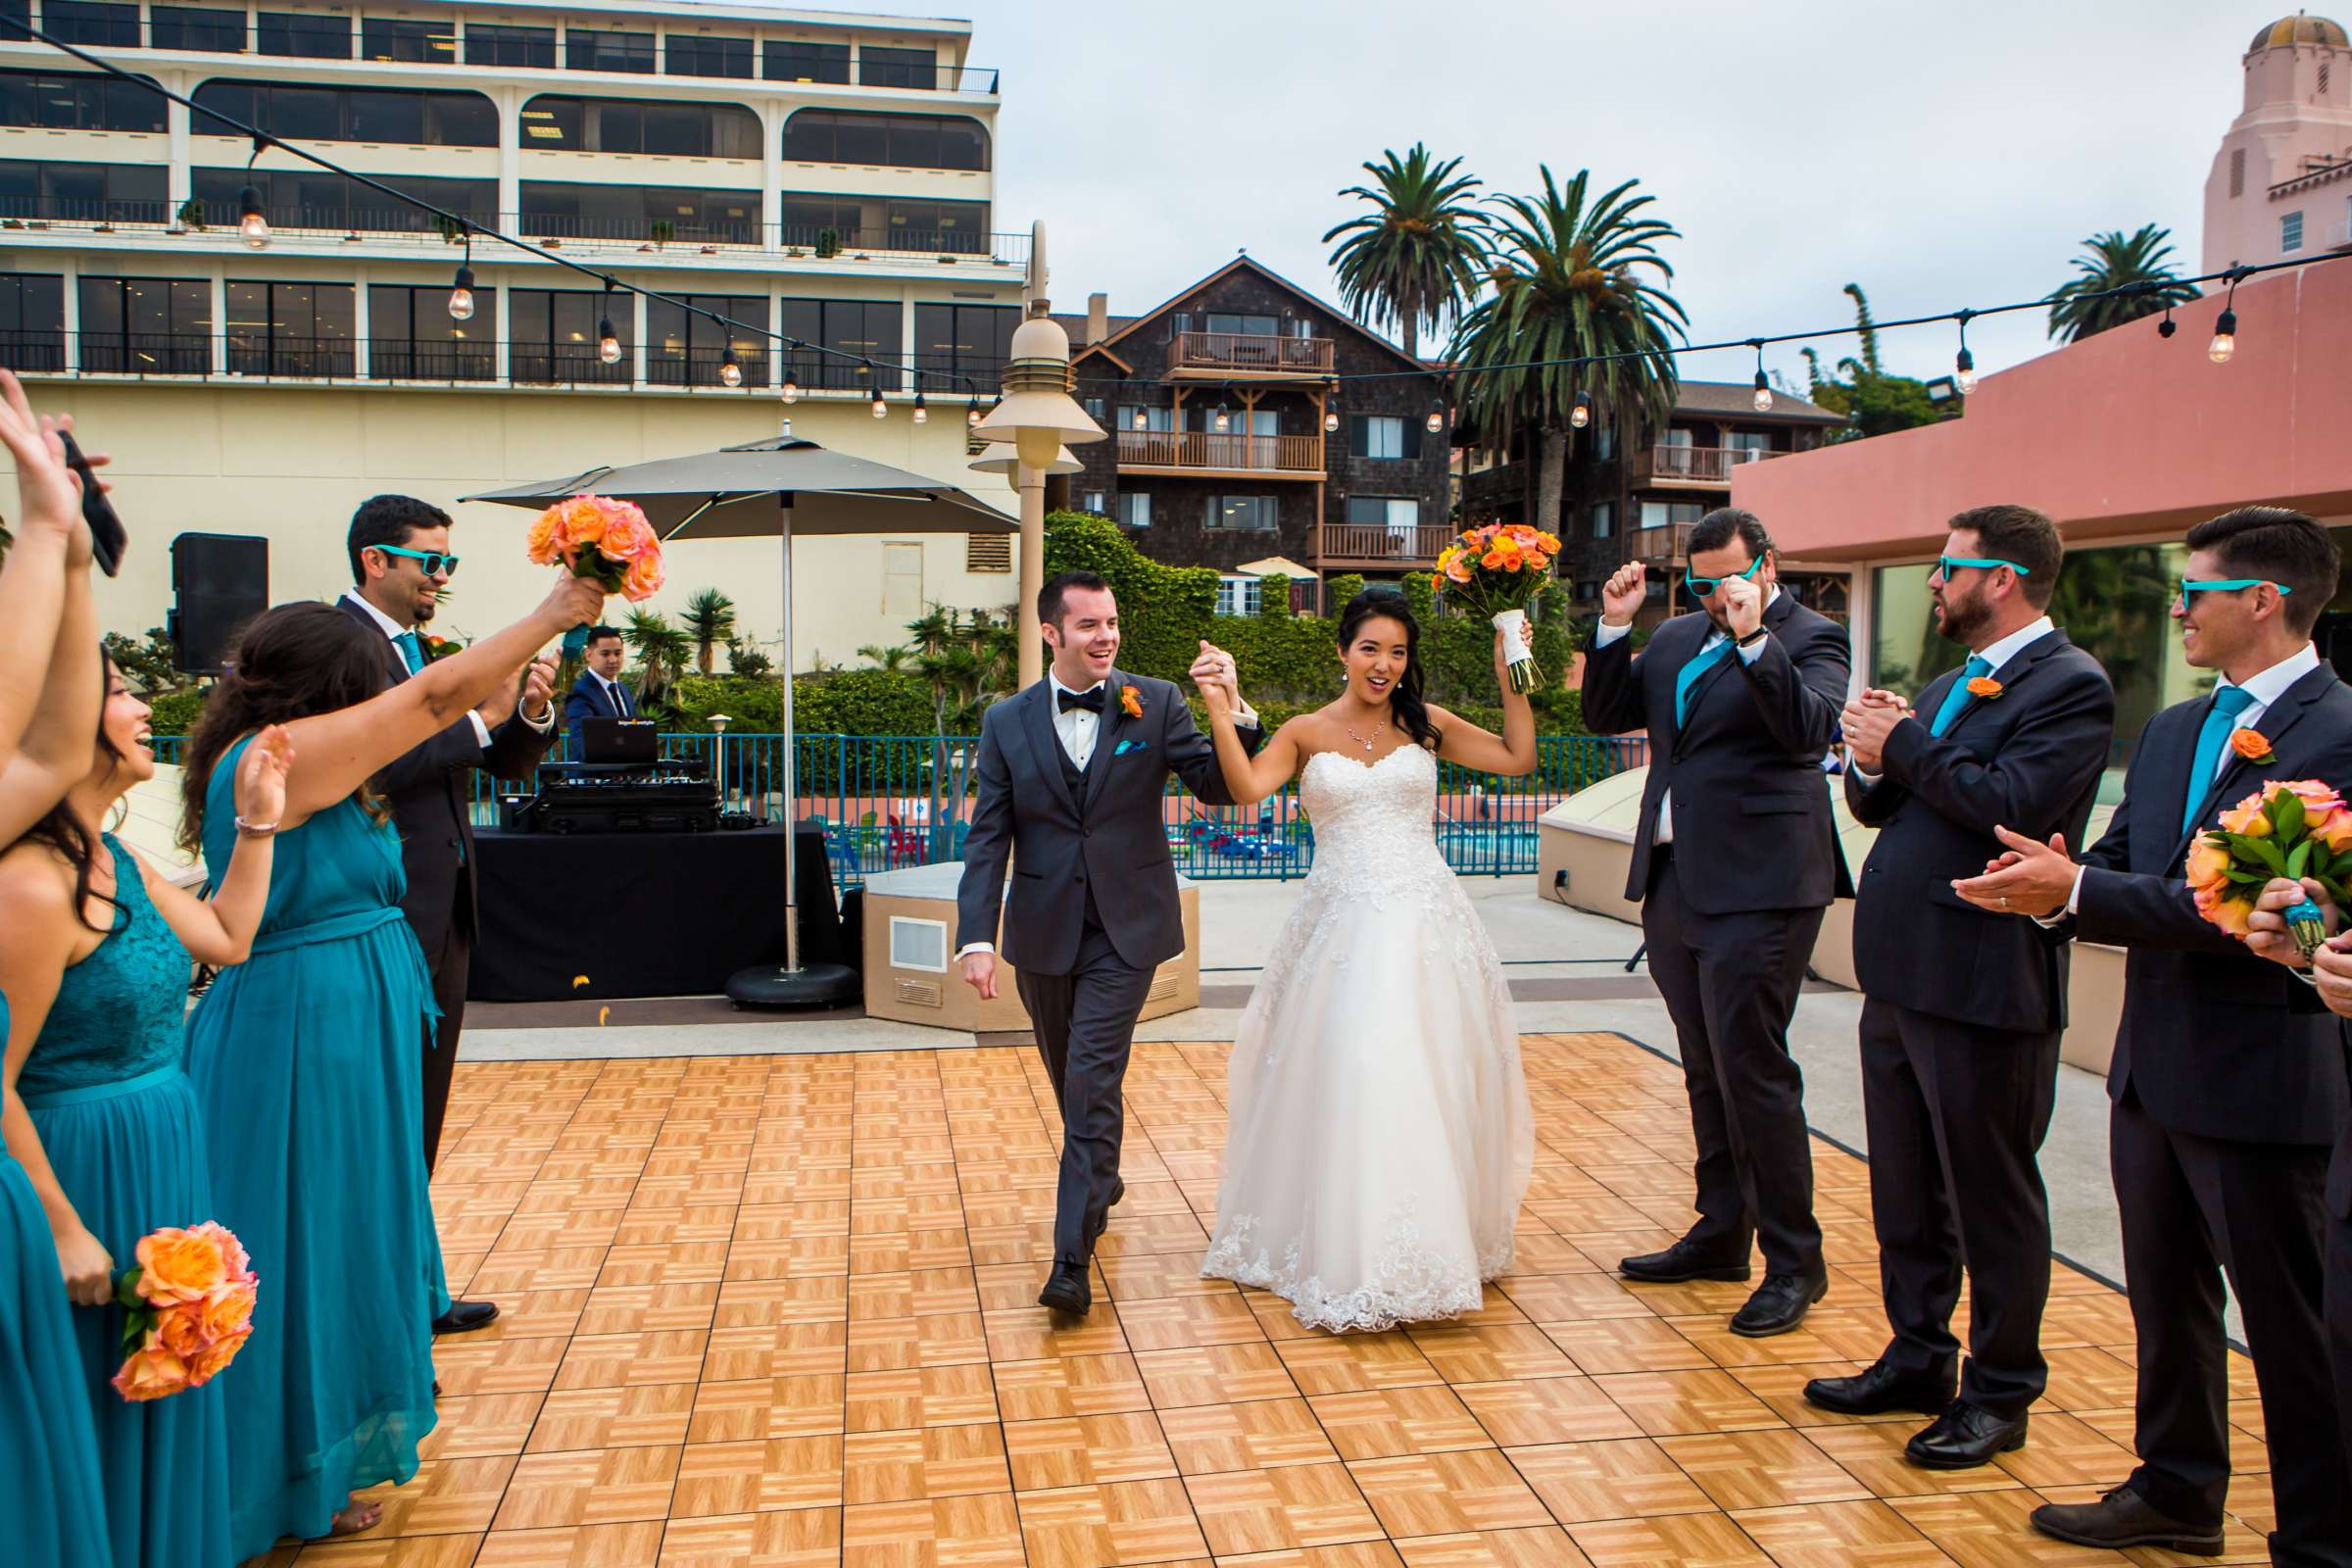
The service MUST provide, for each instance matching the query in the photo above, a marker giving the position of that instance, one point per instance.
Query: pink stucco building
(2282, 183)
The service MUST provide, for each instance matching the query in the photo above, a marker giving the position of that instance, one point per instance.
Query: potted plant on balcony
(661, 232)
(450, 229)
(828, 244)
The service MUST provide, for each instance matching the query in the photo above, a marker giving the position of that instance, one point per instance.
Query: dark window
(411, 339)
(1243, 511)
(790, 60)
(709, 57)
(551, 335)
(22, 10)
(56, 101)
(313, 199)
(491, 44)
(906, 141)
(81, 22)
(884, 223)
(973, 340)
(586, 49)
(897, 67)
(684, 348)
(866, 329)
(146, 325)
(196, 27)
(290, 329)
(630, 126)
(416, 42)
(1372, 435)
(1235, 322)
(33, 321)
(655, 214)
(81, 193)
(303, 34)
(400, 115)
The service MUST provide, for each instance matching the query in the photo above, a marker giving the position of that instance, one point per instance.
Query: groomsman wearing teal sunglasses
(1735, 859)
(1962, 1010)
(2227, 1080)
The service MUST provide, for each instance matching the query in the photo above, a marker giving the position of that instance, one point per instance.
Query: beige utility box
(910, 969)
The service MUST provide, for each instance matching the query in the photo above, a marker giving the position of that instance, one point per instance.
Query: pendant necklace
(1358, 739)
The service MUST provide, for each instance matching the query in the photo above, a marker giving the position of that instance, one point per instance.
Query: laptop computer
(620, 742)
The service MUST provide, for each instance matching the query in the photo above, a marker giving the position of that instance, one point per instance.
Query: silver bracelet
(255, 831)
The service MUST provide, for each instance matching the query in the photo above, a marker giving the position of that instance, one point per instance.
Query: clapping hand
(261, 786)
(2033, 878)
(1867, 722)
(1622, 595)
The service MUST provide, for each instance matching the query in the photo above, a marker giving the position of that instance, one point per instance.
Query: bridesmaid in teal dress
(101, 1115)
(52, 1512)
(305, 1063)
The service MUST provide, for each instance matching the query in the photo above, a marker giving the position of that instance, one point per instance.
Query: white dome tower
(2282, 184)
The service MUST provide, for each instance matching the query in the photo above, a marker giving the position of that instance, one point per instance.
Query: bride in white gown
(1378, 1135)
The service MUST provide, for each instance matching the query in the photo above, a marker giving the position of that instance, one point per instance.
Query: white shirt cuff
(976, 946)
(481, 731)
(1868, 778)
(1749, 653)
(543, 723)
(1608, 634)
(1245, 717)
(2074, 903)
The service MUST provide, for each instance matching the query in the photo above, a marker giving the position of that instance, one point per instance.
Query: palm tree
(2117, 261)
(660, 650)
(709, 620)
(1574, 280)
(1415, 256)
(890, 659)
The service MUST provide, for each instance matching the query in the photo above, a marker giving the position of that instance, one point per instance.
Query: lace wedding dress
(1378, 1135)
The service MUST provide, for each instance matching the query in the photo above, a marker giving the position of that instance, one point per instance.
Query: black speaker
(219, 582)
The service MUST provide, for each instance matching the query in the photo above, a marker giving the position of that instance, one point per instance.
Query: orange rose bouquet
(188, 1309)
(2297, 828)
(599, 537)
(1496, 571)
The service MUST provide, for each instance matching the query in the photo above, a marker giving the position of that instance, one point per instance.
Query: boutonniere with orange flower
(1985, 689)
(2252, 746)
(439, 647)
(1130, 701)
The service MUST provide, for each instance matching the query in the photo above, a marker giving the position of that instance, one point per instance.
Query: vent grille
(987, 552)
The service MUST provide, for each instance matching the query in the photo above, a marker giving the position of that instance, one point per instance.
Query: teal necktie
(1705, 660)
(410, 649)
(1957, 697)
(2220, 719)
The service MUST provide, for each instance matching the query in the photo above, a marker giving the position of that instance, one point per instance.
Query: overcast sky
(1940, 155)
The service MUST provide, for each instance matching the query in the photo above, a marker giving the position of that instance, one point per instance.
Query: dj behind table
(623, 877)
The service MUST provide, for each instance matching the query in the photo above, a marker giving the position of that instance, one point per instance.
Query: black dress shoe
(1779, 1305)
(1681, 1261)
(1066, 1291)
(464, 1317)
(1965, 1436)
(2124, 1518)
(1880, 1387)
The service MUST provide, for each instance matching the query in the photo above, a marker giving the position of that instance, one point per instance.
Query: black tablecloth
(641, 914)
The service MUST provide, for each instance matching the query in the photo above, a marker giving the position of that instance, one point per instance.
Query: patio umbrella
(782, 485)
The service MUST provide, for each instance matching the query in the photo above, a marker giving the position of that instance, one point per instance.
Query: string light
(921, 414)
(1224, 420)
(1582, 414)
(972, 414)
(1331, 420)
(2225, 326)
(1964, 366)
(1763, 398)
(1138, 419)
(730, 373)
(792, 386)
(460, 297)
(1437, 419)
(881, 407)
(2167, 326)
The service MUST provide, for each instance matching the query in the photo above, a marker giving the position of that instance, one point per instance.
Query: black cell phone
(108, 540)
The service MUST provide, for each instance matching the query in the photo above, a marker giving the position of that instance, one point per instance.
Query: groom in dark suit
(1072, 773)
(2227, 1082)
(1734, 858)
(400, 562)
(1962, 1009)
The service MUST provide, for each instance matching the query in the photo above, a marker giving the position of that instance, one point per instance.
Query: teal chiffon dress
(305, 1060)
(51, 1507)
(118, 1121)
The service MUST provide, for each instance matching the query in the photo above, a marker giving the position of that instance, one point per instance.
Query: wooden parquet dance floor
(780, 1311)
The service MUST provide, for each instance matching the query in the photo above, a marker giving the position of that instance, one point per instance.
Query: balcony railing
(402, 360)
(1202, 449)
(1670, 543)
(1676, 465)
(1251, 351)
(1374, 544)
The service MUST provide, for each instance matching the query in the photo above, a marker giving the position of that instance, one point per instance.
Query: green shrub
(849, 701)
(174, 713)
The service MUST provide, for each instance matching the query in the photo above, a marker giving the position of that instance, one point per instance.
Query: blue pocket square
(1124, 747)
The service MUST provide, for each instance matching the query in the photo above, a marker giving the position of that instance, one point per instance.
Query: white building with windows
(824, 176)
(2281, 188)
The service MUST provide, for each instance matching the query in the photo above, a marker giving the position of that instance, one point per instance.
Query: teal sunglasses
(2215, 585)
(1705, 587)
(433, 562)
(1947, 565)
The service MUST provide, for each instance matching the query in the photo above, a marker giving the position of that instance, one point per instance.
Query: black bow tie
(1092, 700)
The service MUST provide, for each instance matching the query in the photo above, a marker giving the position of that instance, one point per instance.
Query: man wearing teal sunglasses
(2228, 1086)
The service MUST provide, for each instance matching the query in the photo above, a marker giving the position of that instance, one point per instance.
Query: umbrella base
(816, 985)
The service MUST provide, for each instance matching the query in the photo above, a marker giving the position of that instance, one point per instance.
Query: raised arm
(218, 930)
(59, 743)
(1510, 755)
(52, 549)
(36, 910)
(338, 753)
(1799, 694)
(1612, 691)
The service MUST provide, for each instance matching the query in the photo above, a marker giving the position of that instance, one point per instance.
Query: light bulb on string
(881, 405)
(1223, 420)
(1138, 419)
(921, 414)
(972, 414)
(1763, 398)
(608, 342)
(461, 295)
(2225, 338)
(1581, 415)
(1437, 419)
(730, 372)
(1331, 420)
(792, 386)
(252, 226)
(2167, 326)
(1964, 364)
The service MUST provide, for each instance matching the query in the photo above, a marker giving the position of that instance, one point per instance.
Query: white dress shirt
(1608, 634)
(2266, 689)
(1998, 656)
(394, 631)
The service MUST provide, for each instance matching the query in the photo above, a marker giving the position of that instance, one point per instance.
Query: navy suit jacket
(588, 700)
(2214, 1041)
(2029, 760)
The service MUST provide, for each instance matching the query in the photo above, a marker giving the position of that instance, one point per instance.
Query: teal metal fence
(890, 801)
